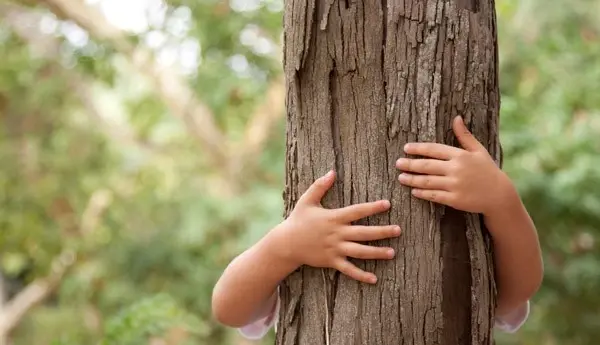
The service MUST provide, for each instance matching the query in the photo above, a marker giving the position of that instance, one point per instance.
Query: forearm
(246, 290)
(517, 254)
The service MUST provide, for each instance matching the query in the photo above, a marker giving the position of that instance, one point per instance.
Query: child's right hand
(320, 237)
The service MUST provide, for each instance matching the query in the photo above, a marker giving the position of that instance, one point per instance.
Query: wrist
(506, 205)
(278, 247)
(503, 198)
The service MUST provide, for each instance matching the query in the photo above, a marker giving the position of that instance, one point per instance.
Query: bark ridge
(363, 78)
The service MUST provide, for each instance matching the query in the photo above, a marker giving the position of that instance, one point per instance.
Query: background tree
(82, 115)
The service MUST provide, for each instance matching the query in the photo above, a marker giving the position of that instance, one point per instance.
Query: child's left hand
(466, 179)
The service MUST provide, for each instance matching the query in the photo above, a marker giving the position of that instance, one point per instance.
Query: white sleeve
(259, 328)
(512, 322)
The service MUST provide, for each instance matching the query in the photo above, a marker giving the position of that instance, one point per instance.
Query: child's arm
(519, 268)
(311, 235)
(469, 180)
(247, 289)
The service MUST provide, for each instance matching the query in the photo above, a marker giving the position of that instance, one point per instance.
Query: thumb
(318, 189)
(464, 136)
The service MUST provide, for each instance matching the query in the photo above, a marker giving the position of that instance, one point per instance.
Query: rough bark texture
(363, 78)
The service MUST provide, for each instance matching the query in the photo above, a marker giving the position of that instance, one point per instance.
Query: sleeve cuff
(509, 323)
(259, 328)
(512, 322)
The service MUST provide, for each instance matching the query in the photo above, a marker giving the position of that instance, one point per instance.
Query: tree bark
(363, 78)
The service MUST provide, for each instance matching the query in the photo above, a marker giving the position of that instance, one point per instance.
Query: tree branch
(24, 24)
(37, 291)
(174, 91)
(264, 118)
(122, 134)
(259, 128)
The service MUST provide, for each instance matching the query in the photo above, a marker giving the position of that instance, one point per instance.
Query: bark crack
(387, 73)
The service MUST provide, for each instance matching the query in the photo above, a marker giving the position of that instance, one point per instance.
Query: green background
(83, 124)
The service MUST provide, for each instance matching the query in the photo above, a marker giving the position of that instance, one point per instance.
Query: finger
(318, 189)
(437, 196)
(432, 150)
(422, 166)
(424, 181)
(466, 139)
(349, 269)
(355, 212)
(365, 252)
(362, 233)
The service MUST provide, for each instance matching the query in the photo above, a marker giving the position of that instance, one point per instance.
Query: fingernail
(373, 279)
(401, 177)
(407, 147)
(386, 203)
(390, 252)
(400, 161)
(397, 230)
(329, 173)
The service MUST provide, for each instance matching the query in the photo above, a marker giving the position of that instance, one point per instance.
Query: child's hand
(321, 237)
(467, 180)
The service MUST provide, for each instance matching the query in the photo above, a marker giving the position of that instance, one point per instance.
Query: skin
(463, 178)
(469, 180)
(311, 235)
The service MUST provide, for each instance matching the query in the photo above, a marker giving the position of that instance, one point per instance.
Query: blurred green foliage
(76, 120)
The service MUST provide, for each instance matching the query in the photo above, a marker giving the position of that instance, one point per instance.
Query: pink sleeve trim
(512, 322)
(259, 328)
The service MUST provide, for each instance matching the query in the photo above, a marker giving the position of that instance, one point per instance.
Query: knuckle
(373, 207)
(426, 181)
(433, 196)
(443, 199)
(361, 253)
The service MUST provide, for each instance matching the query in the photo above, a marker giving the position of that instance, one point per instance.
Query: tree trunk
(364, 78)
